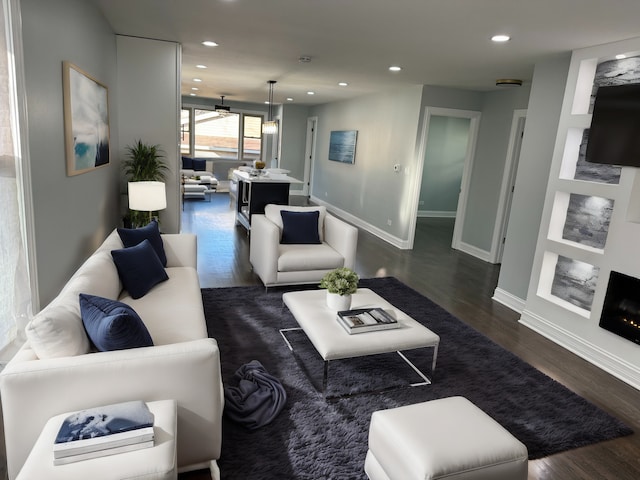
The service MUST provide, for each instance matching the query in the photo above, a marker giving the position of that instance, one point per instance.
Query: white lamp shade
(147, 196)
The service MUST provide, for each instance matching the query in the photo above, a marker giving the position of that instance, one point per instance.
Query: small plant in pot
(340, 283)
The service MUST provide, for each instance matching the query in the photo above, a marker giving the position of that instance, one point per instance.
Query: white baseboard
(509, 300)
(475, 251)
(436, 214)
(608, 362)
(378, 232)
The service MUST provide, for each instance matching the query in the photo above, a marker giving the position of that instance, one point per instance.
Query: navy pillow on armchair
(187, 163)
(300, 227)
(199, 164)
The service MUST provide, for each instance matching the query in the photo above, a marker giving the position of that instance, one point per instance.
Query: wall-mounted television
(614, 135)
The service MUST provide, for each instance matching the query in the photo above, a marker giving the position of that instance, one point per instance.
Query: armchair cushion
(139, 268)
(133, 236)
(112, 325)
(300, 227)
(296, 258)
(272, 212)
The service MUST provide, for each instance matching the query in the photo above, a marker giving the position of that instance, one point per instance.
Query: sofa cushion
(199, 164)
(112, 325)
(187, 163)
(139, 268)
(172, 311)
(300, 227)
(297, 258)
(57, 331)
(272, 212)
(133, 236)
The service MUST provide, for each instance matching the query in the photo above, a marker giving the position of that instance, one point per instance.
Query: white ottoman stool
(153, 463)
(448, 438)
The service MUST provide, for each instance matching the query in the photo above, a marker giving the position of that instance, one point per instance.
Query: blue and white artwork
(86, 121)
(342, 145)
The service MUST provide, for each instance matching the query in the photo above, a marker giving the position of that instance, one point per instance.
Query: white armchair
(279, 263)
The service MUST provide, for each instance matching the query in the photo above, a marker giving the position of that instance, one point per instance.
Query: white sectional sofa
(56, 371)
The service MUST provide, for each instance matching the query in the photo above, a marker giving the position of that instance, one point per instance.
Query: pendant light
(270, 127)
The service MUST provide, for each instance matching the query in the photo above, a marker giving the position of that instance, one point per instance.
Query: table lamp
(147, 197)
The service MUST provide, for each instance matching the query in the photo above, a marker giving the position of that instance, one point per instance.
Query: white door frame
(506, 188)
(309, 154)
(474, 118)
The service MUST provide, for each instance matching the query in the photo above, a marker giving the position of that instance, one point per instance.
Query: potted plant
(144, 162)
(340, 283)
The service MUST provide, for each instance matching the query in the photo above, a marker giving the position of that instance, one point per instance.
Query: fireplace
(621, 310)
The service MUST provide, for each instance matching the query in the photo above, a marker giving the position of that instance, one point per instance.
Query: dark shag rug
(316, 439)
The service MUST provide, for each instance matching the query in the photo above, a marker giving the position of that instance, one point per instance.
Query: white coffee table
(332, 342)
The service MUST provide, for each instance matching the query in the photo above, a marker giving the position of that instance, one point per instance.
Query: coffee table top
(310, 310)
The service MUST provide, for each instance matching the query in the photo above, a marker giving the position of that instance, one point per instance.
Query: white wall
(149, 108)
(293, 140)
(72, 215)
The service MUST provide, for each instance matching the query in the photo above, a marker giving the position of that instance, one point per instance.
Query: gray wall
(369, 189)
(72, 215)
(149, 108)
(293, 138)
(543, 115)
(445, 153)
(488, 164)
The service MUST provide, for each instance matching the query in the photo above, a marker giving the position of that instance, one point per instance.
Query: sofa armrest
(263, 248)
(342, 237)
(181, 249)
(34, 391)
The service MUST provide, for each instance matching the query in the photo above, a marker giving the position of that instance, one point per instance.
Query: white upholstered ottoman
(447, 438)
(153, 463)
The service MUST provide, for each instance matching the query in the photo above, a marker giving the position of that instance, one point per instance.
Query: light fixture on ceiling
(222, 108)
(209, 43)
(270, 127)
(395, 68)
(508, 82)
(500, 38)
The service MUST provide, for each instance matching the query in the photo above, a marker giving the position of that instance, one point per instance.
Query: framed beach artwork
(342, 145)
(86, 120)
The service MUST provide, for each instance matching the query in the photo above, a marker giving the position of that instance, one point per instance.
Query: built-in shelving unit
(590, 224)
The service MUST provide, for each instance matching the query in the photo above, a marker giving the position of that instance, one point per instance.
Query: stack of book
(102, 431)
(366, 320)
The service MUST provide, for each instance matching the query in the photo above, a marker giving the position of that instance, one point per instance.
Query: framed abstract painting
(86, 121)
(342, 145)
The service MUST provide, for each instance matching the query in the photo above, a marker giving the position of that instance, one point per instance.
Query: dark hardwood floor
(463, 285)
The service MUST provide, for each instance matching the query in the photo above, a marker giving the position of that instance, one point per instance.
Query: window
(230, 136)
(15, 292)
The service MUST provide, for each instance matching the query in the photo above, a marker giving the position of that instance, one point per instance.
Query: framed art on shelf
(342, 145)
(86, 121)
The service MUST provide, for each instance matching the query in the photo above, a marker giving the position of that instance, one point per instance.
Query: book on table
(362, 320)
(104, 431)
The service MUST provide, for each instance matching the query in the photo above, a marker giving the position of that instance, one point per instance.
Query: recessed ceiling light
(192, 94)
(195, 88)
(311, 93)
(197, 79)
(343, 84)
(395, 68)
(620, 56)
(201, 66)
(500, 38)
(209, 43)
(289, 99)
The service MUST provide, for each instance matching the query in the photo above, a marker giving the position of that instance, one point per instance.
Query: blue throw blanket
(257, 399)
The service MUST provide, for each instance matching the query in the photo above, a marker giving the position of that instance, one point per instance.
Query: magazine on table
(103, 453)
(103, 428)
(362, 320)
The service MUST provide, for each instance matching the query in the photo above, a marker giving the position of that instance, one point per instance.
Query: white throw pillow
(272, 212)
(57, 331)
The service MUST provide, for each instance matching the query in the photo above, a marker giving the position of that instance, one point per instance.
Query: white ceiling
(437, 42)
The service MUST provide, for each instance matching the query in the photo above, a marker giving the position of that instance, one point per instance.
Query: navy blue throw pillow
(139, 268)
(187, 163)
(112, 325)
(199, 164)
(133, 236)
(300, 227)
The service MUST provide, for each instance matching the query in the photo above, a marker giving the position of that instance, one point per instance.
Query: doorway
(309, 155)
(446, 153)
